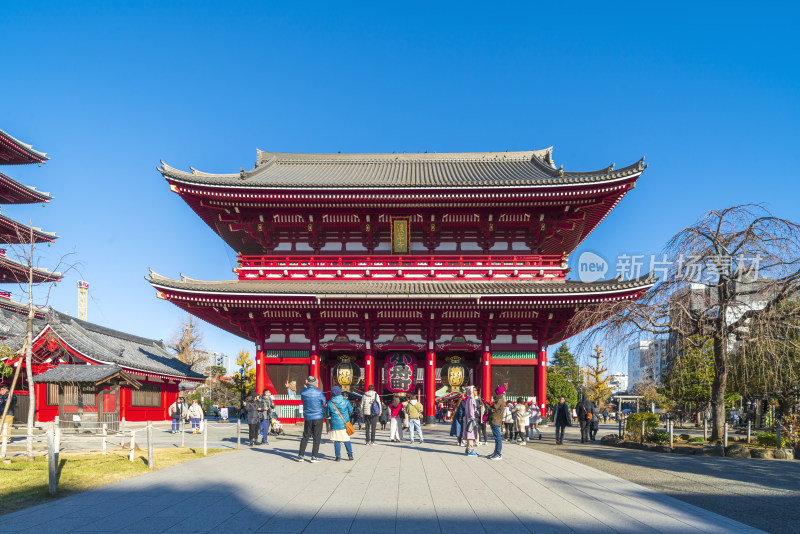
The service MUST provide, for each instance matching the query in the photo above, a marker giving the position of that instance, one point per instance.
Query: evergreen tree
(565, 365)
(557, 386)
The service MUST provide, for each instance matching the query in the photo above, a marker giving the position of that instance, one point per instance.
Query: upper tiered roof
(15, 152)
(12, 231)
(13, 192)
(533, 168)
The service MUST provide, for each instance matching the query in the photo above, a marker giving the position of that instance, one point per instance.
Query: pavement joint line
(585, 487)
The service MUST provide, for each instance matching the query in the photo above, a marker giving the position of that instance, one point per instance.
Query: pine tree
(565, 365)
(597, 387)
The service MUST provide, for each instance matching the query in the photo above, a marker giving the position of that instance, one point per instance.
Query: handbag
(471, 426)
(348, 426)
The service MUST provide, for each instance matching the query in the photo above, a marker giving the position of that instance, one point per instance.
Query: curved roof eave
(549, 176)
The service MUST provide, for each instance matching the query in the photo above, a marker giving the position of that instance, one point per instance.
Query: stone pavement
(420, 489)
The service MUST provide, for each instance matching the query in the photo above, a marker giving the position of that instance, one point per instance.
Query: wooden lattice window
(148, 396)
(88, 395)
(52, 394)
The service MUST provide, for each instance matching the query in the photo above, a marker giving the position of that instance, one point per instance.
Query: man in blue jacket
(313, 406)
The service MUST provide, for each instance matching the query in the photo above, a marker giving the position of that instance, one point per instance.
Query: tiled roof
(13, 192)
(12, 231)
(112, 346)
(395, 288)
(14, 152)
(14, 271)
(478, 169)
(78, 373)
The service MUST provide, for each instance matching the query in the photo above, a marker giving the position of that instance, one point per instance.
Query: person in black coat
(584, 410)
(455, 426)
(562, 418)
(253, 419)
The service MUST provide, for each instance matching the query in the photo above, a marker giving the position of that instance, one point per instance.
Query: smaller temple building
(131, 377)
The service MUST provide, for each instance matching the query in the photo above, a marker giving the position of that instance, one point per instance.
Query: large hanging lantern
(401, 372)
(454, 373)
(346, 373)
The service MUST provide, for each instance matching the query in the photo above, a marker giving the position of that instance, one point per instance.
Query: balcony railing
(537, 267)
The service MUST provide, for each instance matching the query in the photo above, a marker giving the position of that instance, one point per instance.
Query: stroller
(275, 425)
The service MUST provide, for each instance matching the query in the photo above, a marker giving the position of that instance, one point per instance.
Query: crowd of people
(474, 420)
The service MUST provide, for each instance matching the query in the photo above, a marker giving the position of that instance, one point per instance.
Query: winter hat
(336, 390)
(499, 390)
(312, 381)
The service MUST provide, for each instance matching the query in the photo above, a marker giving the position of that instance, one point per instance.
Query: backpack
(376, 405)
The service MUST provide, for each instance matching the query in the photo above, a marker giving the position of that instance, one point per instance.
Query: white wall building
(647, 361)
(220, 360)
(618, 383)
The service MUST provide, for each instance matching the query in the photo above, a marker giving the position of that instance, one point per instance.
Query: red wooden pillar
(261, 366)
(369, 367)
(541, 382)
(486, 374)
(124, 395)
(430, 386)
(313, 365)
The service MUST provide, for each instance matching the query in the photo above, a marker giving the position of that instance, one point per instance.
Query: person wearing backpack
(414, 412)
(338, 411)
(178, 411)
(370, 410)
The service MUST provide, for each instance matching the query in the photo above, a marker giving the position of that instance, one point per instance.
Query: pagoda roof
(13, 192)
(15, 308)
(15, 271)
(433, 289)
(11, 231)
(15, 152)
(533, 168)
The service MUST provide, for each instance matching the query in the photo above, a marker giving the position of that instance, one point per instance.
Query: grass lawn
(24, 483)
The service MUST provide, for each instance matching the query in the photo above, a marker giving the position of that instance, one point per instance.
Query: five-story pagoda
(400, 264)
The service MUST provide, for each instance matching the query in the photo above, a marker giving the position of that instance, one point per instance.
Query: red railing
(411, 266)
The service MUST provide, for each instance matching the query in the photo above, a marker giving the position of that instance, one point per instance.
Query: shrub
(696, 440)
(767, 440)
(634, 424)
(658, 436)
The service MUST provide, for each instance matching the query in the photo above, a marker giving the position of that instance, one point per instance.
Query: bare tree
(188, 344)
(23, 249)
(722, 277)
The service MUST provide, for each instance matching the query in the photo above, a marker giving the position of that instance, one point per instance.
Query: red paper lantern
(401, 372)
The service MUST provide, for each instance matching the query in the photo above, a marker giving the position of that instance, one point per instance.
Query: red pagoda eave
(15, 232)
(14, 271)
(13, 192)
(15, 152)
(544, 191)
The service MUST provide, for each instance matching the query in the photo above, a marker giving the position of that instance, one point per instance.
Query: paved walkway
(389, 488)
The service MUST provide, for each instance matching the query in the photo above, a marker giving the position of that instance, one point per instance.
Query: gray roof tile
(477, 169)
(435, 288)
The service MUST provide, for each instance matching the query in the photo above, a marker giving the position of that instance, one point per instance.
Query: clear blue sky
(708, 93)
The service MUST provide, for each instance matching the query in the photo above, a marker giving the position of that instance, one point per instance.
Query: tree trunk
(719, 385)
(29, 358)
(29, 374)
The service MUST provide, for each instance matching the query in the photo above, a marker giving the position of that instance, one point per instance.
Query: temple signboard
(400, 234)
